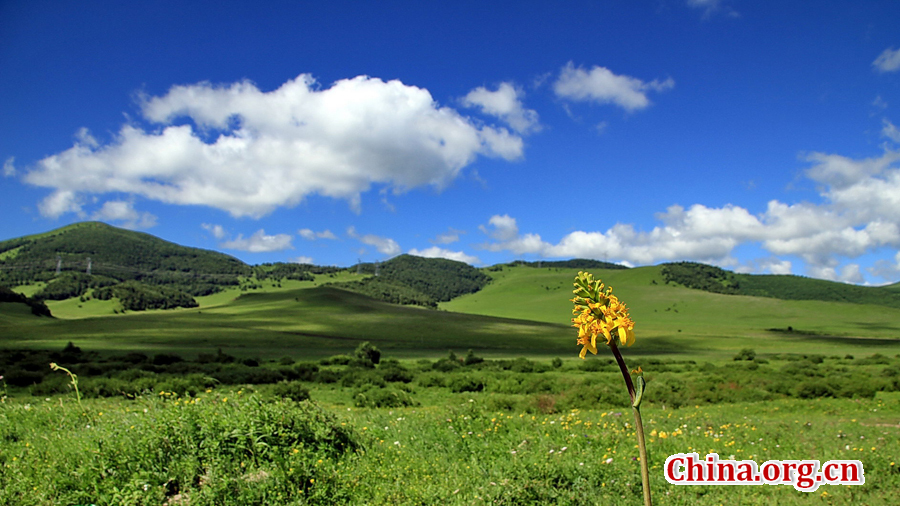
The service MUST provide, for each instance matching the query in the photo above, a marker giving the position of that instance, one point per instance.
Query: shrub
(368, 353)
(336, 360)
(292, 390)
(394, 372)
(461, 384)
(813, 389)
(471, 359)
(428, 380)
(745, 354)
(166, 359)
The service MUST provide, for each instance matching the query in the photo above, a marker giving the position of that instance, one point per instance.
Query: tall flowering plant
(600, 315)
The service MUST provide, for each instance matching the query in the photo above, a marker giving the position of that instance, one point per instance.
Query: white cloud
(888, 60)
(860, 214)
(505, 104)
(9, 168)
(890, 131)
(501, 228)
(886, 269)
(60, 202)
(259, 242)
(437, 252)
(449, 237)
(124, 213)
(302, 260)
(310, 235)
(216, 230)
(602, 86)
(384, 245)
(249, 152)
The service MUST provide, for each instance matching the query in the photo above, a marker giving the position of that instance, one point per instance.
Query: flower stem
(638, 423)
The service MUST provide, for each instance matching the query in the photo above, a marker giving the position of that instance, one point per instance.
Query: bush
(394, 372)
(166, 359)
(429, 380)
(368, 353)
(745, 354)
(813, 390)
(471, 359)
(336, 360)
(292, 390)
(461, 384)
(353, 378)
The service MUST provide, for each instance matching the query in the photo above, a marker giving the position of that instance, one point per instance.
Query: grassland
(677, 320)
(524, 311)
(248, 446)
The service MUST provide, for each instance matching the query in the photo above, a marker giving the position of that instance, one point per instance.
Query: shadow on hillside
(856, 341)
(661, 346)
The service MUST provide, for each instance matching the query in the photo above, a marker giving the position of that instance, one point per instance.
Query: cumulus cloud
(259, 242)
(61, 202)
(890, 131)
(504, 103)
(438, 252)
(601, 85)
(310, 235)
(216, 230)
(860, 214)
(384, 245)
(888, 60)
(248, 152)
(302, 260)
(125, 215)
(9, 168)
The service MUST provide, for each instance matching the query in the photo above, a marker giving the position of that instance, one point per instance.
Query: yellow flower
(598, 312)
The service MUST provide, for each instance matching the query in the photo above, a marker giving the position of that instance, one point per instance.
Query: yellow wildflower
(598, 312)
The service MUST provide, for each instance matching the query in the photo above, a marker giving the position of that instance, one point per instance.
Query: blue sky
(759, 136)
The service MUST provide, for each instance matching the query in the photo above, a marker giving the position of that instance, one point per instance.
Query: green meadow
(262, 396)
(524, 311)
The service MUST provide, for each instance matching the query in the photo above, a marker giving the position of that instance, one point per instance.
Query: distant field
(680, 320)
(523, 312)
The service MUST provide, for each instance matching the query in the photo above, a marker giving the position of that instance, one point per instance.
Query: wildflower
(598, 312)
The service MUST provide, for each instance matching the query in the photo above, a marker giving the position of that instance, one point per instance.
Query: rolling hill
(503, 310)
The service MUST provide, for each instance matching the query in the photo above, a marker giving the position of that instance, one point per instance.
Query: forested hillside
(143, 271)
(408, 279)
(786, 287)
(117, 254)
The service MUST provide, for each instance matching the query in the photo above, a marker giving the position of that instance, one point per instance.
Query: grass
(690, 322)
(524, 311)
(555, 437)
(237, 446)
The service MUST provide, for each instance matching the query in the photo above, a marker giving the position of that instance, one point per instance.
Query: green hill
(312, 322)
(408, 279)
(786, 287)
(677, 314)
(73, 259)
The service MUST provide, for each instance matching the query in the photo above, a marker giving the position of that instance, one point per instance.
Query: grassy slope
(524, 311)
(673, 319)
(310, 322)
